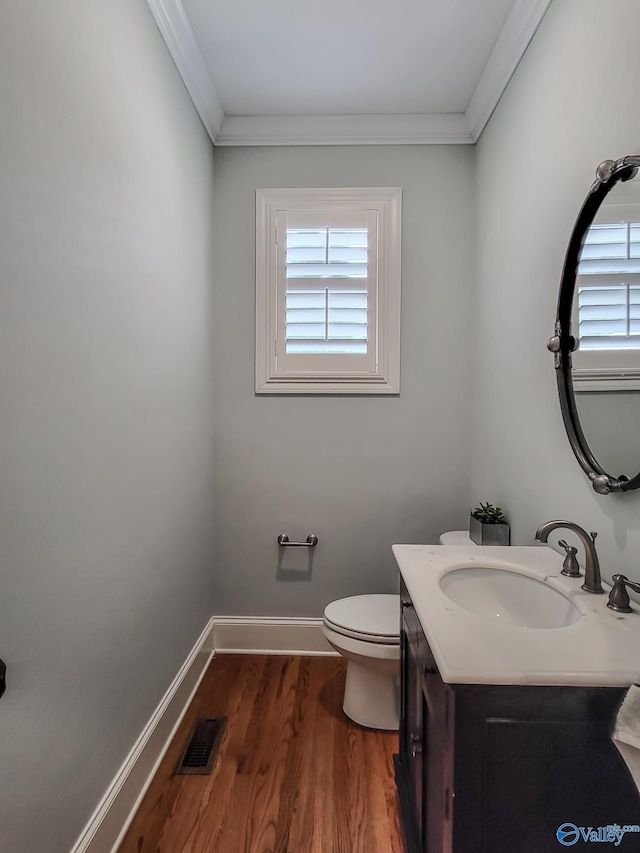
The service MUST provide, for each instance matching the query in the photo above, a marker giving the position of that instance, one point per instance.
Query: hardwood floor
(293, 774)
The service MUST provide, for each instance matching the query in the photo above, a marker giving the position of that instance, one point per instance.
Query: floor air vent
(201, 751)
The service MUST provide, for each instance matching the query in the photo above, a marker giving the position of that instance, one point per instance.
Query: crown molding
(344, 130)
(425, 129)
(518, 30)
(171, 19)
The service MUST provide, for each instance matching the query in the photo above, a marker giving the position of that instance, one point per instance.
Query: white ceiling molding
(418, 129)
(519, 28)
(178, 36)
(345, 130)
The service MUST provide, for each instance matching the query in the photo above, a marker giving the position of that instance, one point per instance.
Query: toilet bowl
(365, 629)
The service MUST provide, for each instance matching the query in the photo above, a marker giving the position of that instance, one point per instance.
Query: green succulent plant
(489, 514)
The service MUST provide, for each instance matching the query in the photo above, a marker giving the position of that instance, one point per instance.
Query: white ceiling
(346, 71)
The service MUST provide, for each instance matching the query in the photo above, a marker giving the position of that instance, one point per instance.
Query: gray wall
(360, 472)
(106, 382)
(610, 420)
(127, 384)
(564, 111)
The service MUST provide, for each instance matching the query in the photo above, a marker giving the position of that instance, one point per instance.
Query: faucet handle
(619, 597)
(593, 535)
(570, 567)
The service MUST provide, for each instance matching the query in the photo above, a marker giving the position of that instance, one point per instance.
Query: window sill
(610, 379)
(327, 385)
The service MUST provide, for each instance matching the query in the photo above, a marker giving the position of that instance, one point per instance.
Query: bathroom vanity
(501, 743)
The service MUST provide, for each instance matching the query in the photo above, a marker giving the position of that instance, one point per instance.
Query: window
(328, 291)
(327, 271)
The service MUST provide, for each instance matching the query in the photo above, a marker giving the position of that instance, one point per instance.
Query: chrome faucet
(591, 564)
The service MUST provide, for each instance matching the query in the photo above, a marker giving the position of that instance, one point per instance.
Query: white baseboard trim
(114, 813)
(226, 634)
(269, 635)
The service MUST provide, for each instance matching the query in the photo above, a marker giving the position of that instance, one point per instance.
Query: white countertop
(601, 649)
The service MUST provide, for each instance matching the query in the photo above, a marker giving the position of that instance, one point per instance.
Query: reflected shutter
(609, 287)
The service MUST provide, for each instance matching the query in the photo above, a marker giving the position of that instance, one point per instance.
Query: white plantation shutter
(327, 290)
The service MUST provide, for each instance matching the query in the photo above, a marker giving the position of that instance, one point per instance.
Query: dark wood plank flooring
(293, 774)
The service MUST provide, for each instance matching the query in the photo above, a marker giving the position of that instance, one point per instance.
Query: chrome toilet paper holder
(310, 542)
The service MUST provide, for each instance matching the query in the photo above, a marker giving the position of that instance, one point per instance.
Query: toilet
(365, 629)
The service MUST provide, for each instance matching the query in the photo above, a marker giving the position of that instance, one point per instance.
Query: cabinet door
(412, 713)
(542, 774)
(438, 760)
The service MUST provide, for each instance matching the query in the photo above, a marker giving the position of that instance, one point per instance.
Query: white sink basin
(509, 597)
(487, 614)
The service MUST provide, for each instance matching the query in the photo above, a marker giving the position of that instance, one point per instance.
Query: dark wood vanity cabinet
(424, 767)
(498, 769)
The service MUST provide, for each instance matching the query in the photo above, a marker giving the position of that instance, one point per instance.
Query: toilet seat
(369, 618)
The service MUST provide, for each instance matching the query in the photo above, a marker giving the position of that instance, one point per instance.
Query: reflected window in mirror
(607, 296)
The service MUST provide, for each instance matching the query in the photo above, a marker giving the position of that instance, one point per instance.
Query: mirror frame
(563, 343)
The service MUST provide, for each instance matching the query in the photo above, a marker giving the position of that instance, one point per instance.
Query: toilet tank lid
(457, 537)
(377, 615)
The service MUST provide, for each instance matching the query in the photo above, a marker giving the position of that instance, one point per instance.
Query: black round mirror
(596, 342)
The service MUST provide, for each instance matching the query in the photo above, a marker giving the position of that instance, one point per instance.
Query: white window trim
(586, 380)
(387, 201)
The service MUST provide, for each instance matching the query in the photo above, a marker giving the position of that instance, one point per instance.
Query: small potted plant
(488, 525)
